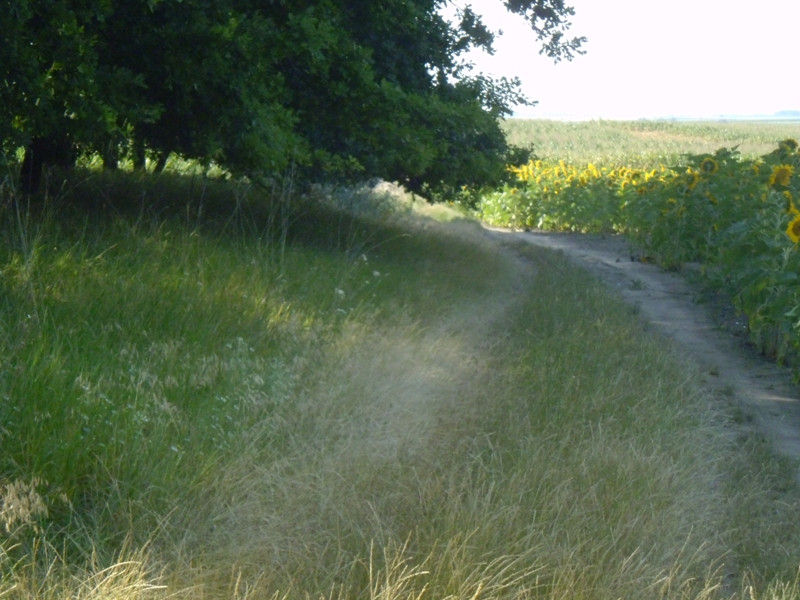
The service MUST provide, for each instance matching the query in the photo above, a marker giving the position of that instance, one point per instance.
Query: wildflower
(781, 175)
(709, 166)
(793, 230)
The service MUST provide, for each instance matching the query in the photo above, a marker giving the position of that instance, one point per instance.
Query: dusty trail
(765, 394)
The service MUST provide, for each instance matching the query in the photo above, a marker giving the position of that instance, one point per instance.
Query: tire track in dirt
(763, 392)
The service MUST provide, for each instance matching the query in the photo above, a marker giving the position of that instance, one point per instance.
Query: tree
(335, 88)
(48, 94)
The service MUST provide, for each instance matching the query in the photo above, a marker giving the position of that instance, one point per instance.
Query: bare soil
(763, 394)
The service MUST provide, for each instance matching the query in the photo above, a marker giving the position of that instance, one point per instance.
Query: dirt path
(764, 393)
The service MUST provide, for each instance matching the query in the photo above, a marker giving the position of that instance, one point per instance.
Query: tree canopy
(332, 88)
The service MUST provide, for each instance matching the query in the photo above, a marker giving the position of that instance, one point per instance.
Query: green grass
(644, 144)
(211, 393)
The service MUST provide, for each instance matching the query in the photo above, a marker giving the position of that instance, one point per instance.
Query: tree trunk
(161, 163)
(111, 156)
(52, 150)
(30, 175)
(139, 155)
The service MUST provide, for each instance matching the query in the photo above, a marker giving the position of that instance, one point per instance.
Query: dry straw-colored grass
(476, 421)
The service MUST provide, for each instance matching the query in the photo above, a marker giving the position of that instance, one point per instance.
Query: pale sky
(656, 59)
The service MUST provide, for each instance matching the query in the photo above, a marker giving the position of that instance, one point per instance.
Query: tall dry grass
(375, 405)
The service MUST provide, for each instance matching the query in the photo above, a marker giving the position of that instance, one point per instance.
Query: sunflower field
(736, 217)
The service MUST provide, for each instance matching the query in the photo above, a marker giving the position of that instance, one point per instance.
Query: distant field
(645, 143)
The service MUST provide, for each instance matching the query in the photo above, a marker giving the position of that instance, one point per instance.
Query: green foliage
(331, 89)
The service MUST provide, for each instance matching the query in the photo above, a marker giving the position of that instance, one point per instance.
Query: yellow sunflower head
(709, 166)
(793, 230)
(781, 174)
(692, 178)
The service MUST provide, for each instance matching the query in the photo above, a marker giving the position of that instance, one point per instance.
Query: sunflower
(692, 178)
(709, 166)
(788, 145)
(781, 175)
(793, 230)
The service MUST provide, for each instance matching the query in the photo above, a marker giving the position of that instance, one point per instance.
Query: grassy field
(644, 144)
(212, 392)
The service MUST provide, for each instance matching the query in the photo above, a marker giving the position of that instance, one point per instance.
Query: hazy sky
(650, 59)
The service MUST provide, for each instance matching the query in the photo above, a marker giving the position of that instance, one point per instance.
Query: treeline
(332, 88)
